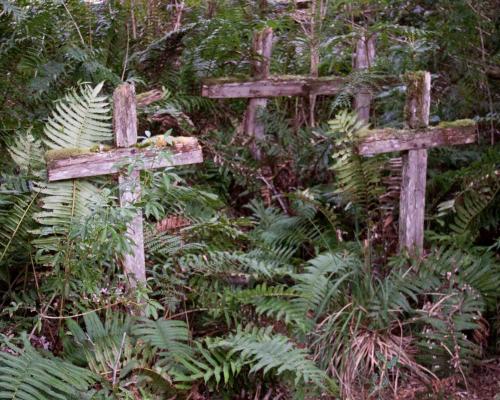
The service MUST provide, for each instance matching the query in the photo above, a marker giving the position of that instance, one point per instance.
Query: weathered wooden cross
(183, 151)
(415, 141)
(263, 86)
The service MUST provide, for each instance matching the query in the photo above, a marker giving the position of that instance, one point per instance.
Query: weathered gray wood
(125, 115)
(390, 140)
(252, 125)
(134, 264)
(418, 99)
(275, 86)
(363, 59)
(125, 125)
(112, 161)
(412, 201)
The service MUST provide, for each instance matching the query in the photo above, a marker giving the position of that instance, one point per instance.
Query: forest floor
(483, 384)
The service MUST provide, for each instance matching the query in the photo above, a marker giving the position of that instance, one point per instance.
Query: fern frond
(27, 153)
(16, 219)
(80, 120)
(168, 336)
(276, 302)
(63, 204)
(268, 352)
(27, 375)
(474, 203)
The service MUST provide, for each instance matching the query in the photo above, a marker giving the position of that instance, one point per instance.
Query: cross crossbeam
(391, 140)
(274, 86)
(111, 161)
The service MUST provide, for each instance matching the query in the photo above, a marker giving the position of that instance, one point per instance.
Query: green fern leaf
(26, 375)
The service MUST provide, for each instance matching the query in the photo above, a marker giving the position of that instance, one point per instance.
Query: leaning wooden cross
(415, 141)
(183, 151)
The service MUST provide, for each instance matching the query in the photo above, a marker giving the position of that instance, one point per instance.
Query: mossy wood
(82, 163)
(159, 152)
(415, 141)
(389, 140)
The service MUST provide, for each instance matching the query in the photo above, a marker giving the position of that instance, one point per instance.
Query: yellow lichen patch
(459, 123)
(184, 141)
(59, 154)
(161, 141)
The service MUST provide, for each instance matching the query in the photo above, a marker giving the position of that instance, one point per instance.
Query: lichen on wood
(58, 154)
(162, 141)
(417, 98)
(456, 124)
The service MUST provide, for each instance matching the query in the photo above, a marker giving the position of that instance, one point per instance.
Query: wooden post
(412, 202)
(125, 127)
(252, 125)
(363, 59)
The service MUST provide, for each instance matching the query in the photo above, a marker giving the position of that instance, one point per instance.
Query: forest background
(269, 278)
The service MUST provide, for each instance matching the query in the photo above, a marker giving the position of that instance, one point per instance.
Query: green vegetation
(277, 278)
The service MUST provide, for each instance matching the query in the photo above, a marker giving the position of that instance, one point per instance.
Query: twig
(115, 367)
(44, 316)
(74, 23)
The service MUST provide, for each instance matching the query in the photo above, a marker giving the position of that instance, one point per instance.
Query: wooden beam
(276, 86)
(125, 126)
(112, 161)
(414, 175)
(252, 124)
(389, 140)
(364, 58)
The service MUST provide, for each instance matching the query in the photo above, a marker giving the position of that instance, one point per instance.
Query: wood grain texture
(389, 140)
(412, 201)
(414, 174)
(125, 126)
(364, 59)
(418, 99)
(112, 161)
(271, 87)
(125, 115)
(252, 125)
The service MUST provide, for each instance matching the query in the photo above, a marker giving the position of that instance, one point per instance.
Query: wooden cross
(184, 151)
(415, 141)
(262, 85)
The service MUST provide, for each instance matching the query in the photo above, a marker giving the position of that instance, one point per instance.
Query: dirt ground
(482, 384)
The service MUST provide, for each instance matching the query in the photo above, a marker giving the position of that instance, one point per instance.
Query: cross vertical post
(252, 125)
(412, 200)
(125, 127)
(363, 59)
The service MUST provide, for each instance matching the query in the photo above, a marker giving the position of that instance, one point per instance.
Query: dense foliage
(271, 278)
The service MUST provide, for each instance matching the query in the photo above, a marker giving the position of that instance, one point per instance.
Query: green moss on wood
(273, 78)
(59, 154)
(459, 123)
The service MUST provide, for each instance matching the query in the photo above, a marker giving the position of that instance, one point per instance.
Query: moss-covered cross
(415, 141)
(126, 160)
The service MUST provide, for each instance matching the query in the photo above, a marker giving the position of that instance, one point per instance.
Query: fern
(16, 215)
(81, 120)
(27, 375)
(266, 352)
(254, 350)
(276, 302)
(358, 179)
(16, 221)
(474, 203)
(170, 337)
